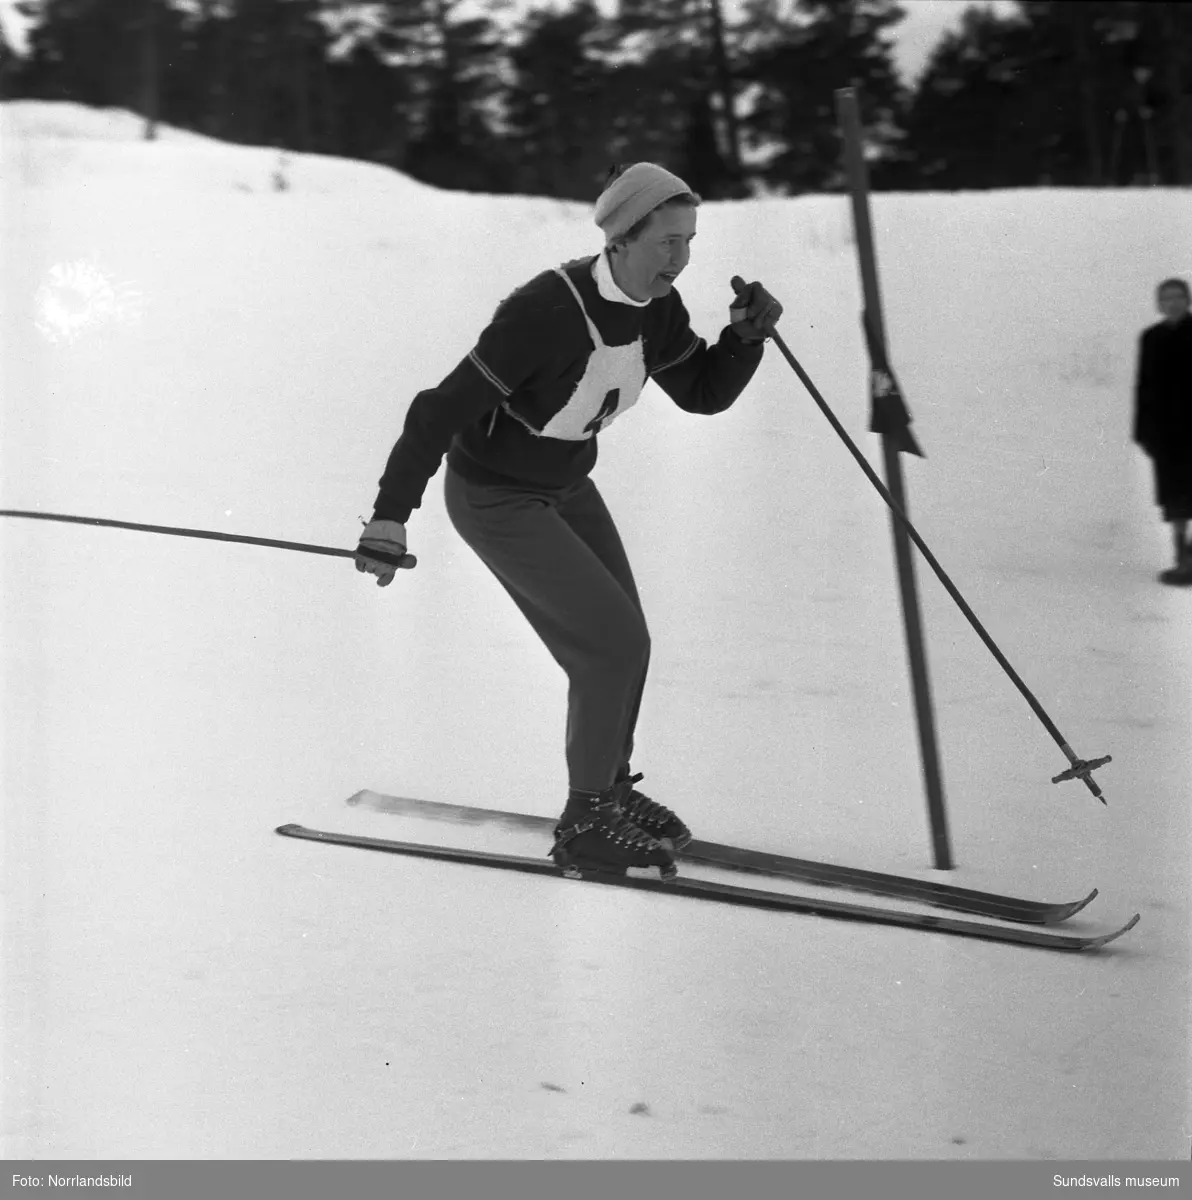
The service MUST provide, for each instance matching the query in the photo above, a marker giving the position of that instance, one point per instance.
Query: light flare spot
(78, 298)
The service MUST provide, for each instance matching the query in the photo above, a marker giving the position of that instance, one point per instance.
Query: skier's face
(1173, 303)
(647, 266)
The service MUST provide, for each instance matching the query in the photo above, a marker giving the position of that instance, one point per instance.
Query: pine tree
(684, 46)
(555, 112)
(794, 55)
(1058, 93)
(451, 62)
(10, 68)
(89, 51)
(972, 123)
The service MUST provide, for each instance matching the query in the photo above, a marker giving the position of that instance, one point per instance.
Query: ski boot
(1181, 573)
(653, 818)
(592, 835)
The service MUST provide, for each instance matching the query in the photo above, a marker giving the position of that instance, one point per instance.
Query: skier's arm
(700, 378)
(506, 356)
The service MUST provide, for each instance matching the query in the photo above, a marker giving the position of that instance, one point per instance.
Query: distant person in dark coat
(1163, 412)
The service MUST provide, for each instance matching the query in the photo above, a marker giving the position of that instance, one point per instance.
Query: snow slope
(183, 343)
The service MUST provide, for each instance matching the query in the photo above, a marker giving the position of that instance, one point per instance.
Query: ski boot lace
(638, 807)
(624, 833)
(607, 818)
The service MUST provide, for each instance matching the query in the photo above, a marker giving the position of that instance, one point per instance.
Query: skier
(564, 356)
(1163, 416)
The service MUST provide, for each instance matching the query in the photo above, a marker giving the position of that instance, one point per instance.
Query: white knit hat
(633, 195)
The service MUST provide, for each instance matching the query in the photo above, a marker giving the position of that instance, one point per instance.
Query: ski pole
(174, 531)
(1080, 768)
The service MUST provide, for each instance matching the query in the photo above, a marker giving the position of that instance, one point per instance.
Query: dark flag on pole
(889, 414)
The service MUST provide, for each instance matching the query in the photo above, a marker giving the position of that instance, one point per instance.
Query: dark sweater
(500, 416)
(1163, 387)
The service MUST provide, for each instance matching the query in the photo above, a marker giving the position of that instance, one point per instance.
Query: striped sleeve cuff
(695, 343)
(488, 373)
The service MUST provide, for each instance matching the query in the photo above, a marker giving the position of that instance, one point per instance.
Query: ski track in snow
(186, 345)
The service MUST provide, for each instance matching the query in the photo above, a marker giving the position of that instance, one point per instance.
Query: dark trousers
(559, 556)
(1173, 479)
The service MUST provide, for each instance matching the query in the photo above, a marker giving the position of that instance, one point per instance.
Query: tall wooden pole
(724, 85)
(1175, 23)
(150, 68)
(891, 419)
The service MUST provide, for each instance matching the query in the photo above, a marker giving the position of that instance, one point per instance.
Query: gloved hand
(382, 550)
(754, 312)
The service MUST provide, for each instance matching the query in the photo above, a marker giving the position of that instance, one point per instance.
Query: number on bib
(606, 410)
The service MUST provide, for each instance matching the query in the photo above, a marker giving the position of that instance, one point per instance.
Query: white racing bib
(612, 381)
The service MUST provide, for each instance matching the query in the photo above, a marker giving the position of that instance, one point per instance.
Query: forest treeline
(540, 99)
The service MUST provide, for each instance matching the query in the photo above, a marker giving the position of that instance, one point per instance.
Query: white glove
(382, 550)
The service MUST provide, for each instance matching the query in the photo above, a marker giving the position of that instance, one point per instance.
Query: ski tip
(1117, 933)
(288, 829)
(1064, 911)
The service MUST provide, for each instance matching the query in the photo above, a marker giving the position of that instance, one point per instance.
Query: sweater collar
(602, 272)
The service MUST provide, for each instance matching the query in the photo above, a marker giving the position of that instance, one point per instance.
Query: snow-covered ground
(184, 344)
